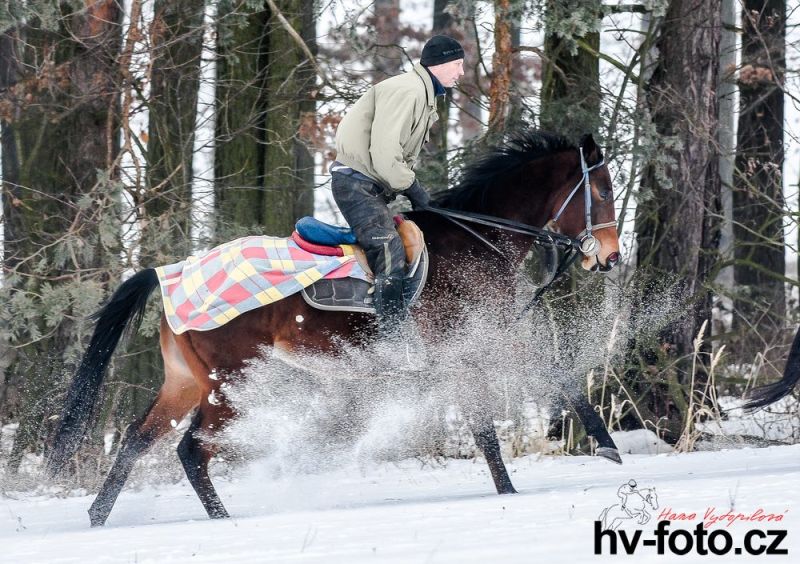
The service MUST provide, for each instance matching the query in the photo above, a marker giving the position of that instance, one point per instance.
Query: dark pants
(363, 206)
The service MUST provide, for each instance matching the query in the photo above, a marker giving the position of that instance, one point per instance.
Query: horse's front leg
(595, 427)
(486, 439)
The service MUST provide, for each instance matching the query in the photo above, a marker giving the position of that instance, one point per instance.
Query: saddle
(353, 294)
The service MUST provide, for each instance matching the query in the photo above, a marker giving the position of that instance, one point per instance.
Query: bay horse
(506, 197)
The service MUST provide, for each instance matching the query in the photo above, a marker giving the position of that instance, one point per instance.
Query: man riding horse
(247, 298)
(377, 143)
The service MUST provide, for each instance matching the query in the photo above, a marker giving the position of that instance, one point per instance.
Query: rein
(540, 236)
(586, 243)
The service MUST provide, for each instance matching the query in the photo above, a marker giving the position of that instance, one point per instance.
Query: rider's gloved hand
(417, 195)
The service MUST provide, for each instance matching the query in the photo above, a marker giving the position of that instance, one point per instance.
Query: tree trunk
(307, 111)
(516, 113)
(266, 117)
(679, 204)
(61, 229)
(501, 70)
(727, 147)
(288, 166)
(177, 35)
(241, 133)
(13, 229)
(387, 56)
(436, 164)
(469, 93)
(759, 268)
(571, 80)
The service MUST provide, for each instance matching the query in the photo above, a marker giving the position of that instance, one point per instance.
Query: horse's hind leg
(135, 442)
(177, 396)
(195, 455)
(486, 440)
(139, 436)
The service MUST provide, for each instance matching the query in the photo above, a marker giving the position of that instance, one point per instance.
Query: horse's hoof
(609, 453)
(97, 517)
(219, 513)
(96, 521)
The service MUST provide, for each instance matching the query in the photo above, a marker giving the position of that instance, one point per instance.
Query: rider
(624, 491)
(377, 144)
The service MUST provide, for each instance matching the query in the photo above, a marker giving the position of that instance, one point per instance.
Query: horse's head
(583, 208)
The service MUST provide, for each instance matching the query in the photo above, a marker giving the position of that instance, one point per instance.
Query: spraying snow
(406, 396)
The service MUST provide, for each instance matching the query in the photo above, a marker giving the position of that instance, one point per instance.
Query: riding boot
(390, 304)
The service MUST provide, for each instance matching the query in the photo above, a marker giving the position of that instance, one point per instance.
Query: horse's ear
(591, 152)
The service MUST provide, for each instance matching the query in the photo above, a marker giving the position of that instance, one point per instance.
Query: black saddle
(353, 294)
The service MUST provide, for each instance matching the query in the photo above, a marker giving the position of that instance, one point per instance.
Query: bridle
(586, 243)
(589, 245)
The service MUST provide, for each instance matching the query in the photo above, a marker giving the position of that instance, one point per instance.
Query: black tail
(771, 393)
(126, 305)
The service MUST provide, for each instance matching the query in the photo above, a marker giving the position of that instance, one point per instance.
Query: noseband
(589, 245)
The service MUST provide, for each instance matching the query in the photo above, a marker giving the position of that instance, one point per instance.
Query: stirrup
(390, 303)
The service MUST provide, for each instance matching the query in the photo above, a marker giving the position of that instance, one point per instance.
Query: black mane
(518, 149)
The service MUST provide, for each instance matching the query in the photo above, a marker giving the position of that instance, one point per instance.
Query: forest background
(136, 133)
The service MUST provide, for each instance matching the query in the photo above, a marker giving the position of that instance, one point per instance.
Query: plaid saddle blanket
(206, 291)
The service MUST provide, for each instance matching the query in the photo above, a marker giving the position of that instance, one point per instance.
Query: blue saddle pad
(315, 231)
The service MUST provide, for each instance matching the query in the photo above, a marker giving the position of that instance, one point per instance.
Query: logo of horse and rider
(634, 504)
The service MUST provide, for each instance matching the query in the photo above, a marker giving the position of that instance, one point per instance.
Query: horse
(634, 508)
(487, 223)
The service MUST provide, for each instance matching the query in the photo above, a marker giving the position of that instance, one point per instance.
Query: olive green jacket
(383, 133)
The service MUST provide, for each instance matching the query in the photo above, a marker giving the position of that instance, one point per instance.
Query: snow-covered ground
(408, 512)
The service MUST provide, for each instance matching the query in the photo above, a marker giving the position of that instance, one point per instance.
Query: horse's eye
(605, 195)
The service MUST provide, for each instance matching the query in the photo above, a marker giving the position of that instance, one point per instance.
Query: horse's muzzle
(611, 261)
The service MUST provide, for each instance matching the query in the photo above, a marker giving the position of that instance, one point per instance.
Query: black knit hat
(441, 49)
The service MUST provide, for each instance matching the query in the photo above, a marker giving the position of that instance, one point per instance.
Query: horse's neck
(527, 195)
